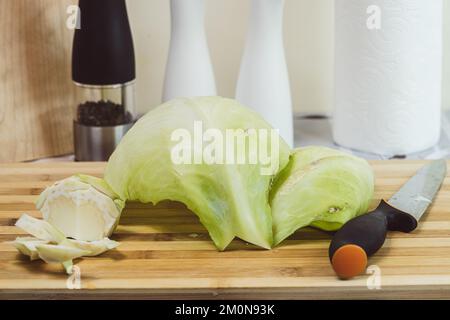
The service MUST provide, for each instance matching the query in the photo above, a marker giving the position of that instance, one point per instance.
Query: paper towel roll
(388, 80)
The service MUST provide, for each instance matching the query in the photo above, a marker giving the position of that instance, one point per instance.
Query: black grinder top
(103, 52)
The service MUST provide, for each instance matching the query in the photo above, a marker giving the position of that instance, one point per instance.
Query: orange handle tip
(349, 261)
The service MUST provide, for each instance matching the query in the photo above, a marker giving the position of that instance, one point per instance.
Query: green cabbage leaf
(230, 199)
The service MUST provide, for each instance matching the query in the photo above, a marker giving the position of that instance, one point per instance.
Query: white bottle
(189, 71)
(263, 83)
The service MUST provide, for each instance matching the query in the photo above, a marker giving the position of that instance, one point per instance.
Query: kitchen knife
(362, 236)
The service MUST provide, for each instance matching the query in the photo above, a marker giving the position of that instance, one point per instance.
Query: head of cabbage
(182, 151)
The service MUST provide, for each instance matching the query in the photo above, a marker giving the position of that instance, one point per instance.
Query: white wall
(309, 45)
(446, 62)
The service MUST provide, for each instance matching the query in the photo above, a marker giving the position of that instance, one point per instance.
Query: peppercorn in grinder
(103, 67)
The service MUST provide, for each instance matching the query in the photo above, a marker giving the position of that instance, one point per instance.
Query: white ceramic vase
(189, 71)
(263, 83)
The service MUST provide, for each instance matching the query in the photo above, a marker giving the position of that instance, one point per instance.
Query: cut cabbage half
(320, 187)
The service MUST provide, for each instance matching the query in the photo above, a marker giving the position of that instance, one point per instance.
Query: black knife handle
(362, 236)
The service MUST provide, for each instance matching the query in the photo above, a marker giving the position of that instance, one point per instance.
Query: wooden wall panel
(37, 97)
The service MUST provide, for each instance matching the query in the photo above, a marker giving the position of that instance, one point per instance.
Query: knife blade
(362, 236)
(416, 195)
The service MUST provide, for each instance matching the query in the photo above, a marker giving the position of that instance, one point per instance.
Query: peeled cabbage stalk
(320, 187)
(229, 199)
(82, 207)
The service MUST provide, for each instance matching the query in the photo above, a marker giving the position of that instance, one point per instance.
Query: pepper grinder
(103, 66)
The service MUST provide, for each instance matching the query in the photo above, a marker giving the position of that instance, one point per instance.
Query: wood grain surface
(37, 96)
(166, 253)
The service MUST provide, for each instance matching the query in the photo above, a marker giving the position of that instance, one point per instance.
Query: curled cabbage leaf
(27, 246)
(40, 229)
(230, 199)
(51, 245)
(320, 187)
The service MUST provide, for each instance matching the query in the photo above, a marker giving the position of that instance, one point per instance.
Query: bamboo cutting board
(166, 253)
